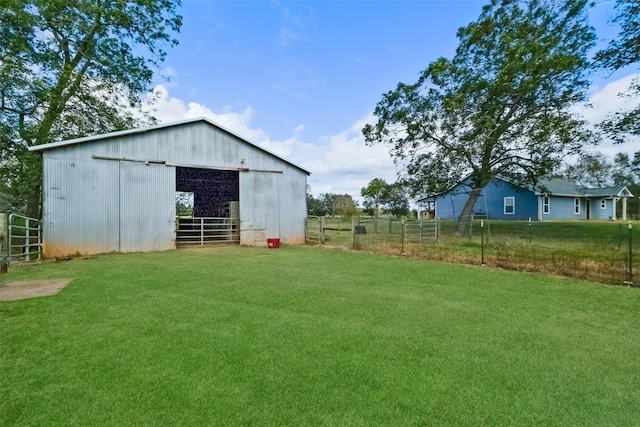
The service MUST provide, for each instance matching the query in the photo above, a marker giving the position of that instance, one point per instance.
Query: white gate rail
(25, 239)
(421, 230)
(314, 230)
(207, 230)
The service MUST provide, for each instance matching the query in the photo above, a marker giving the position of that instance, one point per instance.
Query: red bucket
(273, 243)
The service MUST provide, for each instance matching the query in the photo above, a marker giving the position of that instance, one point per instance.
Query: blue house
(553, 199)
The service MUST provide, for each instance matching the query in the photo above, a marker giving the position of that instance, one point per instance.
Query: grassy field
(315, 336)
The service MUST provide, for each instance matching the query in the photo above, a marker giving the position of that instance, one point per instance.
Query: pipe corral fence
(20, 240)
(4, 250)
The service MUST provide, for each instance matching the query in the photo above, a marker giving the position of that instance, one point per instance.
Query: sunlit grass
(315, 336)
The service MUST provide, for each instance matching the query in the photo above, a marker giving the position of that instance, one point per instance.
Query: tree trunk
(464, 221)
(33, 202)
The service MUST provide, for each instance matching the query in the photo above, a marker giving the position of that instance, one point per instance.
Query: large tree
(395, 200)
(344, 205)
(590, 170)
(70, 68)
(501, 106)
(623, 51)
(626, 170)
(392, 198)
(372, 195)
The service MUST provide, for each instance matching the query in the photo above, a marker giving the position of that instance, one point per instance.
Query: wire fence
(599, 251)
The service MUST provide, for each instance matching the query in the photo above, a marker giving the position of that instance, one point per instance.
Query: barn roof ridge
(133, 131)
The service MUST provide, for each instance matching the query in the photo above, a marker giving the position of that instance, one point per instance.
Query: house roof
(92, 138)
(561, 187)
(557, 187)
(608, 191)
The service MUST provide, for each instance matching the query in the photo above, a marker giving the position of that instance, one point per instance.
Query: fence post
(4, 243)
(630, 269)
(323, 224)
(27, 235)
(482, 241)
(620, 237)
(402, 234)
(353, 232)
(529, 229)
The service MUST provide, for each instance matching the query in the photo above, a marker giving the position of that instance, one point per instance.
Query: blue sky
(301, 78)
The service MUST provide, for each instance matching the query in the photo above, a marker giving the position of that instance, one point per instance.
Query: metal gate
(24, 239)
(207, 231)
(420, 230)
(314, 230)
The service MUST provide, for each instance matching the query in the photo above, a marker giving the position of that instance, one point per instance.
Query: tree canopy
(624, 50)
(73, 68)
(373, 195)
(501, 106)
(590, 170)
(330, 204)
(379, 195)
(344, 205)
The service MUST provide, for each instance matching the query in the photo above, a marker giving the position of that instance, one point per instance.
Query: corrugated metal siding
(147, 207)
(98, 206)
(292, 195)
(80, 215)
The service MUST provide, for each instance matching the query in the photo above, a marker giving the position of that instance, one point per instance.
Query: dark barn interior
(212, 190)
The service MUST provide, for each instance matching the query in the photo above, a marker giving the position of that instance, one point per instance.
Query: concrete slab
(14, 291)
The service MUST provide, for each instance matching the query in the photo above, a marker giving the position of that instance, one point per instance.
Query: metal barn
(158, 188)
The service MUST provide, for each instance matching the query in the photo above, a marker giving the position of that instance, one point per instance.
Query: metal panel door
(147, 207)
(259, 210)
(272, 204)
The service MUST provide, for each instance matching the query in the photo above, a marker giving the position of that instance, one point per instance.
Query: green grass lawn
(315, 336)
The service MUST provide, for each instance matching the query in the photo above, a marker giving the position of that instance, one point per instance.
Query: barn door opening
(207, 202)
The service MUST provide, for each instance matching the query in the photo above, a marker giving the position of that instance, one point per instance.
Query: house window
(576, 206)
(603, 204)
(546, 205)
(509, 205)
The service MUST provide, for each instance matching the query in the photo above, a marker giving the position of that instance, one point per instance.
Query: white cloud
(169, 109)
(343, 163)
(607, 100)
(340, 163)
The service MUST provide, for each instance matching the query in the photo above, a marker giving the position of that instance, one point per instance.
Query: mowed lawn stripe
(315, 336)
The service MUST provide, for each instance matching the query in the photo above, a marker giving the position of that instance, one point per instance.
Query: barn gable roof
(88, 139)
